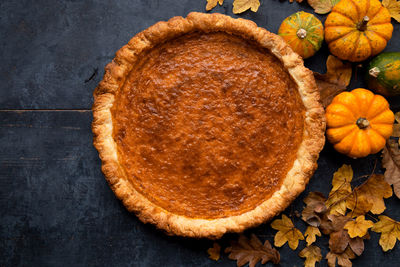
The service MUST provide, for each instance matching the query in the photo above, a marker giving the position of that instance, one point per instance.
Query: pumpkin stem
(362, 26)
(362, 123)
(301, 33)
(374, 72)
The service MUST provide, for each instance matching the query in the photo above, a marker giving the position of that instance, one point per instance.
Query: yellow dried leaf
(286, 233)
(312, 254)
(391, 162)
(390, 231)
(342, 178)
(214, 252)
(369, 196)
(322, 6)
(213, 3)
(358, 204)
(240, 6)
(335, 80)
(394, 8)
(358, 227)
(311, 234)
(336, 201)
(343, 259)
(341, 190)
(397, 117)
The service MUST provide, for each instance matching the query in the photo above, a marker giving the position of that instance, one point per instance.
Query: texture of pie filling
(207, 125)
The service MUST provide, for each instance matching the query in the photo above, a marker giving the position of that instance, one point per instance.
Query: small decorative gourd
(357, 30)
(384, 74)
(359, 122)
(303, 32)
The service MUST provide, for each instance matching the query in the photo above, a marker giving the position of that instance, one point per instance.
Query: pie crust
(118, 71)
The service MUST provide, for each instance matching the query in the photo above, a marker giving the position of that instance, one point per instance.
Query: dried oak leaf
(341, 190)
(322, 6)
(213, 3)
(343, 259)
(311, 234)
(214, 252)
(252, 251)
(312, 254)
(358, 227)
(335, 80)
(390, 231)
(240, 6)
(394, 8)
(369, 196)
(391, 162)
(286, 233)
(315, 207)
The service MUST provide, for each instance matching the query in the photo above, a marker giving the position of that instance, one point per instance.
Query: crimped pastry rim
(293, 184)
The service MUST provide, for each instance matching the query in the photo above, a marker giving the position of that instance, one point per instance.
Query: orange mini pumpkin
(359, 122)
(358, 29)
(303, 32)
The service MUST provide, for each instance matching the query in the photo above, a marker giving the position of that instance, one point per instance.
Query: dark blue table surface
(56, 208)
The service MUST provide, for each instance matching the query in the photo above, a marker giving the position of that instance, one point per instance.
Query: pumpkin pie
(207, 125)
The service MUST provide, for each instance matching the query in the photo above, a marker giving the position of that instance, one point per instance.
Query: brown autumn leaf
(322, 6)
(240, 6)
(341, 190)
(298, 1)
(390, 231)
(338, 241)
(213, 3)
(315, 207)
(357, 244)
(286, 233)
(391, 162)
(333, 223)
(342, 259)
(312, 254)
(369, 196)
(394, 8)
(252, 251)
(311, 234)
(214, 252)
(396, 130)
(358, 227)
(335, 80)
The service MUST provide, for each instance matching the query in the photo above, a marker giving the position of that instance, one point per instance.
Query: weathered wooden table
(56, 208)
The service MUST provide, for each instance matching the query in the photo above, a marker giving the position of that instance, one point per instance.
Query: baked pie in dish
(207, 125)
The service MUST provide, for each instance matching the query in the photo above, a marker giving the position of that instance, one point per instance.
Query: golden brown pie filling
(208, 125)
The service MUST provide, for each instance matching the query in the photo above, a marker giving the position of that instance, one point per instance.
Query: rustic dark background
(55, 206)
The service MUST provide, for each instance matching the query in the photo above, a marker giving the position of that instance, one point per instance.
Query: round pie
(207, 125)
